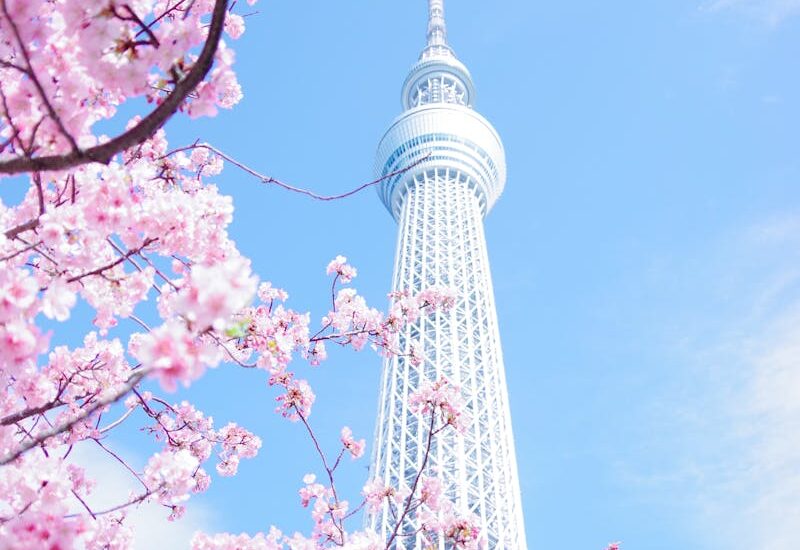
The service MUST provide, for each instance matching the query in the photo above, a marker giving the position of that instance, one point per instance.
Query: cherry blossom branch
(21, 228)
(146, 127)
(117, 422)
(37, 180)
(143, 27)
(83, 502)
(121, 461)
(16, 133)
(35, 80)
(134, 379)
(409, 499)
(22, 415)
(116, 262)
(160, 17)
(130, 259)
(53, 403)
(267, 180)
(356, 510)
(233, 357)
(328, 470)
(136, 500)
(13, 255)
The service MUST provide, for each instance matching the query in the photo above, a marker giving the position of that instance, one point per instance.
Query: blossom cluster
(442, 397)
(70, 64)
(190, 440)
(111, 236)
(355, 448)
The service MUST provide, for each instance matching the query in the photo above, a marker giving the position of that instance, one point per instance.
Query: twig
(270, 180)
(116, 262)
(328, 469)
(407, 508)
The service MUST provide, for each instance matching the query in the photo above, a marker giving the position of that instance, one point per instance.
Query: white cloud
(771, 420)
(149, 521)
(749, 476)
(724, 454)
(772, 12)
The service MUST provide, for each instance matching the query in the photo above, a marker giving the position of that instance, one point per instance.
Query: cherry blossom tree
(120, 222)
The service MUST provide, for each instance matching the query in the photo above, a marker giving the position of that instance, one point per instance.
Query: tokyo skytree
(439, 205)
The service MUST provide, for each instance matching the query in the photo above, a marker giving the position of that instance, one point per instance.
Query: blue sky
(644, 254)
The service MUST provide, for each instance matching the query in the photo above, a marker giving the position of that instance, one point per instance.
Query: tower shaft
(441, 242)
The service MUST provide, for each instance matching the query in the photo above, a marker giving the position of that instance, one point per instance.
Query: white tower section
(440, 205)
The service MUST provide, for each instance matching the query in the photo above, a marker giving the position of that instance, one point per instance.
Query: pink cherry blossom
(356, 448)
(342, 269)
(443, 397)
(170, 475)
(297, 400)
(463, 532)
(225, 541)
(58, 300)
(375, 493)
(430, 491)
(213, 293)
(234, 25)
(236, 443)
(172, 353)
(311, 490)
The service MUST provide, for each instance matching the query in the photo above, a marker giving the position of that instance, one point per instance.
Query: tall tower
(440, 205)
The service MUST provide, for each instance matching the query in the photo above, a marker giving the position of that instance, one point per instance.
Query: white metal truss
(442, 242)
(458, 175)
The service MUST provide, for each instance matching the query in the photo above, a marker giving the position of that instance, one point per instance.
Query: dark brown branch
(103, 153)
(22, 415)
(153, 40)
(163, 15)
(37, 179)
(22, 228)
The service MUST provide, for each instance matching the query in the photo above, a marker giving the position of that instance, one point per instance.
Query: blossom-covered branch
(21, 15)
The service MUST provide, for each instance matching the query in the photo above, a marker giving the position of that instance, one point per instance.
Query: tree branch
(421, 470)
(104, 152)
(270, 180)
(116, 262)
(35, 80)
(339, 525)
(134, 379)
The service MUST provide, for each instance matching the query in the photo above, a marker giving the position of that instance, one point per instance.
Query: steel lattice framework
(440, 205)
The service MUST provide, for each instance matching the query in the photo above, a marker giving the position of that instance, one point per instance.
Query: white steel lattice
(459, 172)
(441, 242)
(440, 89)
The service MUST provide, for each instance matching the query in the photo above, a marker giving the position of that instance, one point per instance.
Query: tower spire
(437, 32)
